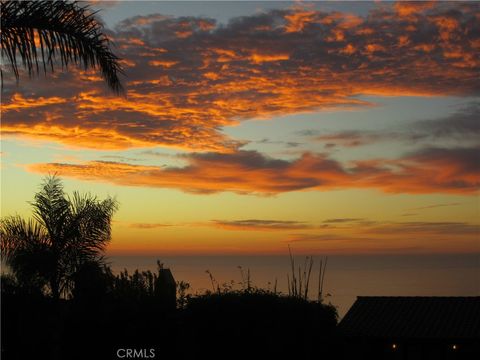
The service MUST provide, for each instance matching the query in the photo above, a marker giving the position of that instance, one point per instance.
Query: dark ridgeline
(412, 328)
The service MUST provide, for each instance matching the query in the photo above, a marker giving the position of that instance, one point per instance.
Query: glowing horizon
(332, 128)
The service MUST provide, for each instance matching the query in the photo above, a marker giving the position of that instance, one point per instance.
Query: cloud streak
(462, 125)
(390, 236)
(148, 226)
(430, 170)
(342, 220)
(434, 206)
(260, 225)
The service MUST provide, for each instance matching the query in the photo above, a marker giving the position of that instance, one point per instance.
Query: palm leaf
(64, 235)
(19, 234)
(50, 31)
(25, 248)
(50, 208)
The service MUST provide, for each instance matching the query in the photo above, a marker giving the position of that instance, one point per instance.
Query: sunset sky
(335, 128)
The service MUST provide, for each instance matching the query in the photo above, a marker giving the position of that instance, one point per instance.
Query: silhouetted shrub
(258, 322)
(106, 312)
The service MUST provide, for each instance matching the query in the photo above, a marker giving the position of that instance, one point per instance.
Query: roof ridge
(452, 317)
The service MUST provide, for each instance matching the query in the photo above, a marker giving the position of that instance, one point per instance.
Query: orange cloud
(18, 102)
(261, 58)
(371, 48)
(282, 62)
(147, 226)
(164, 63)
(431, 170)
(407, 8)
(297, 20)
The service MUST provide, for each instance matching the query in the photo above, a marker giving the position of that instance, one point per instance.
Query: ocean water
(346, 277)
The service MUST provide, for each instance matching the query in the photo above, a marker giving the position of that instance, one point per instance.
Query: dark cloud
(438, 169)
(354, 138)
(147, 226)
(434, 206)
(120, 158)
(381, 231)
(293, 144)
(424, 227)
(255, 224)
(463, 123)
(327, 237)
(342, 220)
(288, 144)
(455, 162)
(156, 154)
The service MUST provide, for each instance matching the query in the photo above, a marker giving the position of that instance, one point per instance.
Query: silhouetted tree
(56, 30)
(65, 234)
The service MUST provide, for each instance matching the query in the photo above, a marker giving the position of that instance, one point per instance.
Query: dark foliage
(108, 312)
(66, 233)
(259, 323)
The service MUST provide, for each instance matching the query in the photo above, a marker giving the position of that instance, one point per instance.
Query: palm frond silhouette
(41, 33)
(64, 234)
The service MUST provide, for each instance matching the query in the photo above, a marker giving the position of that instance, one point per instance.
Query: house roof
(413, 317)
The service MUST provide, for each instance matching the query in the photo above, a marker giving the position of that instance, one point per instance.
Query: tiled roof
(413, 317)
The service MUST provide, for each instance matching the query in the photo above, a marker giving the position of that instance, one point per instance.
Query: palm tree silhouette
(55, 30)
(64, 234)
